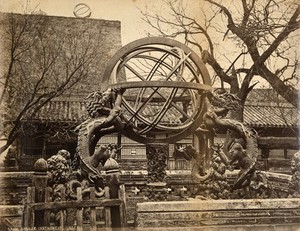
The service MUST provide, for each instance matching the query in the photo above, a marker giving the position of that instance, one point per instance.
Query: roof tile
(256, 116)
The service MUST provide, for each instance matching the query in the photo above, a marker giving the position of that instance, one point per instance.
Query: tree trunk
(5, 147)
(11, 138)
(234, 89)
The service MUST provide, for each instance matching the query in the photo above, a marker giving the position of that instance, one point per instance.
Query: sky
(126, 11)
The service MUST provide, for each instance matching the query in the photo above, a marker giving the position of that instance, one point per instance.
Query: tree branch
(208, 58)
(291, 26)
(231, 23)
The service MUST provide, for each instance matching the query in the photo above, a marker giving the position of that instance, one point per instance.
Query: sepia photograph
(149, 115)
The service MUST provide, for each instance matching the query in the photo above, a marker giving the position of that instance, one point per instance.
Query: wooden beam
(76, 204)
(278, 142)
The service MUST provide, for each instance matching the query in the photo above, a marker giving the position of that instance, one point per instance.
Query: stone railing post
(112, 178)
(40, 183)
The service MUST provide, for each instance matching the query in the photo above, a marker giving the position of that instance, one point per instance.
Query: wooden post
(123, 206)
(107, 209)
(62, 213)
(265, 153)
(93, 222)
(29, 212)
(79, 218)
(39, 181)
(47, 213)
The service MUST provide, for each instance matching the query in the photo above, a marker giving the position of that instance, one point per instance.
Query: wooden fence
(71, 213)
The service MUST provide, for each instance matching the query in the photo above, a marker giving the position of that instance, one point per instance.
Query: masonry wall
(106, 36)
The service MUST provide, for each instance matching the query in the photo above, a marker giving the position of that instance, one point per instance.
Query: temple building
(276, 125)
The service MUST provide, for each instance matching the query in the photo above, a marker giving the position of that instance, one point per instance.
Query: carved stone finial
(111, 166)
(40, 165)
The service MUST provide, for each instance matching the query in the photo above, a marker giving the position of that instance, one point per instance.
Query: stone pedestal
(10, 161)
(219, 213)
(157, 191)
(157, 157)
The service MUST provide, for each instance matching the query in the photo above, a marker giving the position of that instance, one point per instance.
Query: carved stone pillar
(157, 155)
(112, 179)
(40, 182)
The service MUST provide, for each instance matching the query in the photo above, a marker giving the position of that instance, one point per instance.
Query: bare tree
(43, 63)
(261, 36)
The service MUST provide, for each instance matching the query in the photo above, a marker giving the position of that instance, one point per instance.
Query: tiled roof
(270, 116)
(65, 111)
(265, 108)
(267, 97)
(254, 115)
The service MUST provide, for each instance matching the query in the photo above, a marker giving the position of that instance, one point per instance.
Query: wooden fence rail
(41, 210)
(38, 214)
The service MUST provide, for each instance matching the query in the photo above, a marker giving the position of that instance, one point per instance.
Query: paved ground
(294, 227)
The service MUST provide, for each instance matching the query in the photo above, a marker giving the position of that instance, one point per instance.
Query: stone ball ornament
(164, 83)
(40, 165)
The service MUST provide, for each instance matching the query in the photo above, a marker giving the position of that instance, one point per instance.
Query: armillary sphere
(164, 82)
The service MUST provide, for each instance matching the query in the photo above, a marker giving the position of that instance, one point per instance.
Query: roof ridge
(271, 104)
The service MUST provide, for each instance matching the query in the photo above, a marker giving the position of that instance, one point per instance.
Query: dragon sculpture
(104, 111)
(218, 103)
